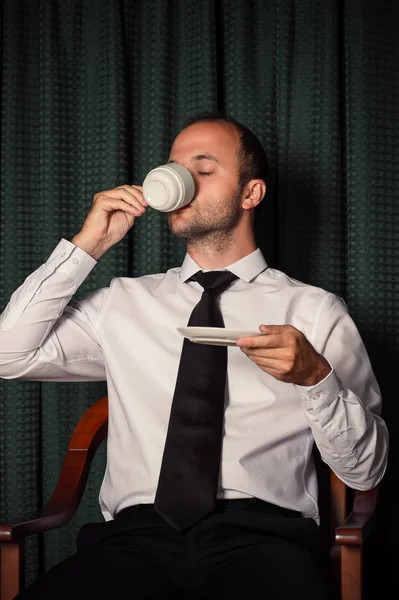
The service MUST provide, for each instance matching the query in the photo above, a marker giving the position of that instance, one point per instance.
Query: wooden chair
(345, 531)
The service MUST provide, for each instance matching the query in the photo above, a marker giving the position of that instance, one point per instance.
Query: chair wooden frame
(349, 527)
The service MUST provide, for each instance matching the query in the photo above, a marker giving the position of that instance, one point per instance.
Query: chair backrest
(334, 497)
(333, 508)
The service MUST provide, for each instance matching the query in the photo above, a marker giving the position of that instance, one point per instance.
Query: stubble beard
(211, 230)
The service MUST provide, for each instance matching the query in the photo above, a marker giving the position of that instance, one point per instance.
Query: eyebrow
(200, 157)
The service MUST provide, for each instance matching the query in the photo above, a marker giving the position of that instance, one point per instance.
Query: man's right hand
(112, 214)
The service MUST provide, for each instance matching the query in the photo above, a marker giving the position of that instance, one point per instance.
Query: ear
(254, 193)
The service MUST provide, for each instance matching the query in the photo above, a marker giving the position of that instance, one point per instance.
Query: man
(309, 379)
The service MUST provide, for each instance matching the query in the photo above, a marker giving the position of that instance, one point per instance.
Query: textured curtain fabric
(92, 95)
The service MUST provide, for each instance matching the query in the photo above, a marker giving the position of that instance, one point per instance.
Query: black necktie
(188, 480)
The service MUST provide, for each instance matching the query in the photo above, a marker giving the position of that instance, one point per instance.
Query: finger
(112, 204)
(268, 364)
(133, 192)
(137, 191)
(277, 329)
(266, 353)
(274, 368)
(127, 196)
(261, 341)
(247, 342)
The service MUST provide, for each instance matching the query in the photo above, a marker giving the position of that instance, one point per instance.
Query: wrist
(92, 247)
(320, 373)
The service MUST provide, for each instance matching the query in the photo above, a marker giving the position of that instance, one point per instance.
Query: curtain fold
(93, 93)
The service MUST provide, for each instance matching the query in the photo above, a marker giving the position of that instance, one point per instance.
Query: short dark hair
(252, 156)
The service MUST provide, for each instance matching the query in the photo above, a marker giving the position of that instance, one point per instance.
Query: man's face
(210, 152)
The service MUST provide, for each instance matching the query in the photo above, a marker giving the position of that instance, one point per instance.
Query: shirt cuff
(323, 392)
(71, 260)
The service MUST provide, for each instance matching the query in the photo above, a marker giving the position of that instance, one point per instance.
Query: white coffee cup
(168, 187)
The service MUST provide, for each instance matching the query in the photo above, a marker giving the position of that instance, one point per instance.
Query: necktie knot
(217, 281)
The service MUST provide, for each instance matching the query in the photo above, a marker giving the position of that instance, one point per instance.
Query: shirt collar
(246, 268)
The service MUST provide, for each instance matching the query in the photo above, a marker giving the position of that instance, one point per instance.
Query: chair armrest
(357, 526)
(90, 431)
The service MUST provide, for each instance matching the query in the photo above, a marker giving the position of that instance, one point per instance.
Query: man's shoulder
(280, 281)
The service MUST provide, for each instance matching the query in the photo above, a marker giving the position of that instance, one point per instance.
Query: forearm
(38, 303)
(352, 440)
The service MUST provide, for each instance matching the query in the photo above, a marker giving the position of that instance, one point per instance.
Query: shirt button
(75, 261)
(316, 397)
(37, 292)
(62, 254)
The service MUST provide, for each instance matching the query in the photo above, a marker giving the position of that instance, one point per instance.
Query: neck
(218, 255)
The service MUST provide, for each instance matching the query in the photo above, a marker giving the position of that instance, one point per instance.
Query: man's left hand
(286, 354)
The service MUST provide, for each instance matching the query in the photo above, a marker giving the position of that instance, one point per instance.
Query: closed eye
(202, 173)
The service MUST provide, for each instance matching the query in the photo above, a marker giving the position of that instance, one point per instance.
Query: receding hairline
(217, 121)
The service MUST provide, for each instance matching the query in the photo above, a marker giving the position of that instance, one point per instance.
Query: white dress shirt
(126, 334)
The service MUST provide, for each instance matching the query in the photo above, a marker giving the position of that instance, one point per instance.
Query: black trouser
(245, 549)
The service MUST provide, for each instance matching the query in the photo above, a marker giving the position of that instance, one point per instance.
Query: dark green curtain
(92, 95)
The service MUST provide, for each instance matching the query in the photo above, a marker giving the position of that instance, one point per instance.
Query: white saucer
(216, 336)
